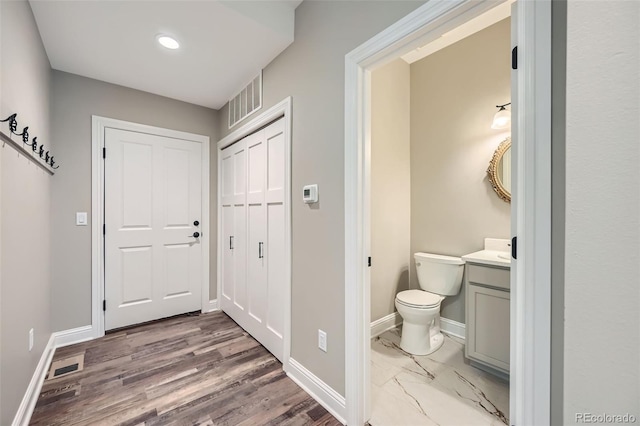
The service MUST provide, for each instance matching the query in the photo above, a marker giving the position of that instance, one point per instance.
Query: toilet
(439, 276)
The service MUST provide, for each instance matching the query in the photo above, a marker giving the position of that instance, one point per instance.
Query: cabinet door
(488, 322)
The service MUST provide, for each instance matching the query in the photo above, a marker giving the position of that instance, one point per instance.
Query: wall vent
(246, 102)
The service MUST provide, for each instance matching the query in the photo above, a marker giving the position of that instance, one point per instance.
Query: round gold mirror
(499, 170)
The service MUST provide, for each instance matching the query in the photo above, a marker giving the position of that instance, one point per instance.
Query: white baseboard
(57, 340)
(211, 306)
(319, 390)
(30, 398)
(383, 324)
(452, 328)
(73, 336)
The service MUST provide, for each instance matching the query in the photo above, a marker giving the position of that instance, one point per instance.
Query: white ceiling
(223, 44)
(473, 26)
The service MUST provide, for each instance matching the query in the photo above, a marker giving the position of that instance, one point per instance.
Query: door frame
(531, 273)
(98, 126)
(282, 109)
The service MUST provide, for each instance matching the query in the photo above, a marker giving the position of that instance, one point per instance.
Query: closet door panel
(274, 137)
(240, 256)
(233, 197)
(256, 168)
(275, 268)
(256, 262)
(227, 184)
(227, 254)
(257, 225)
(239, 174)
(240, 224)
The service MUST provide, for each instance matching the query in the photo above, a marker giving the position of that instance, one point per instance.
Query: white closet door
(257, 227)
(275, 238)
(226, 198)
(256, 214)
(152, 199)
(234, 212)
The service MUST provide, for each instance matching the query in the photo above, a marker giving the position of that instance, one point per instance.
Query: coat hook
(40, 150)
(25, 135)
(13, 123)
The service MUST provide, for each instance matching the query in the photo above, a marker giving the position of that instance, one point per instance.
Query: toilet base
(414, 339)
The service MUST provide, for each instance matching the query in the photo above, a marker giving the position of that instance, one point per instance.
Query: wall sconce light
(502, 119)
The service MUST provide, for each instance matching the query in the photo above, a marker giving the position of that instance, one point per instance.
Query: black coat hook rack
(39, 156)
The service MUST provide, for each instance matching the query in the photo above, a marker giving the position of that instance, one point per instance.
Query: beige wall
(390, 186)
(74, 100)
(453, 98)
(602, 257)
(311, 70)
(25, 284)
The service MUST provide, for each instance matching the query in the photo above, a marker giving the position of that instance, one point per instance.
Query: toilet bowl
(438, 276)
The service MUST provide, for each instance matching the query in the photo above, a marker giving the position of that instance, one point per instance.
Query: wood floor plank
(188, 370)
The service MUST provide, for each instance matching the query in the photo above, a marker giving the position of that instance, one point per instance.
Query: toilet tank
(439, 274)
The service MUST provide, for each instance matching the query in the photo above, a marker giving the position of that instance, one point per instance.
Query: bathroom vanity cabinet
(487, 316)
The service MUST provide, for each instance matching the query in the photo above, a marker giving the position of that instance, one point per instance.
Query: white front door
(153, 208)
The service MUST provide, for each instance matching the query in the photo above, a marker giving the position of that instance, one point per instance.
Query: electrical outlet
(322, 340)
(30, 339)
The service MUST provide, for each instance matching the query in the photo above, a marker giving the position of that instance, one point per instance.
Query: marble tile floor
(437, 389)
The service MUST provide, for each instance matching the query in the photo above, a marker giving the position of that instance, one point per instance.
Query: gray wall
(74, 100)
(311, 70)
(24, 207)
(390, 186)
(602, 258)
(453, 96)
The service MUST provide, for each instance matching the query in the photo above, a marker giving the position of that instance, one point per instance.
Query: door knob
(195, 235)
(196, 223)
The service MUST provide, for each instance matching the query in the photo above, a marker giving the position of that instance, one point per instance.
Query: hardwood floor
(191, 370)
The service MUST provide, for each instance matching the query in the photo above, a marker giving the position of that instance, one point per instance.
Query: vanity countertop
(497, 252)
(489, 257)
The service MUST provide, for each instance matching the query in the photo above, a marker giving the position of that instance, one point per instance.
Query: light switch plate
(81, 218)
(322, 340)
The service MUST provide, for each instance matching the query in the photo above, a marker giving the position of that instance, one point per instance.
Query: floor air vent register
(66, 366)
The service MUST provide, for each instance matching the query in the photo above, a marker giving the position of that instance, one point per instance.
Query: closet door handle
(231, 242)
(260, 256)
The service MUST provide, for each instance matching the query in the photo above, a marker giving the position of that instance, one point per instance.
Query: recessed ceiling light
(168, 42)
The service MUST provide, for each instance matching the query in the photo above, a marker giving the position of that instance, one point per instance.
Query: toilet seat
(418, 299)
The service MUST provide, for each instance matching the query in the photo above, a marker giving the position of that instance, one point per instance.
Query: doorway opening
(529, 316)
(432, 207)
